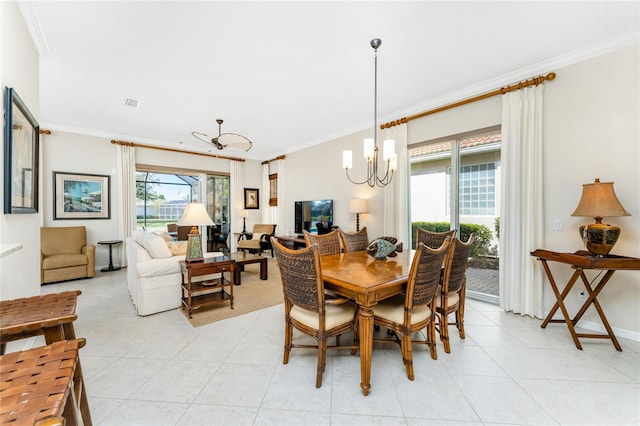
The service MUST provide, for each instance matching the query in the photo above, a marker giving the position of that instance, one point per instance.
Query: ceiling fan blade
(233, 140)
(201, 136)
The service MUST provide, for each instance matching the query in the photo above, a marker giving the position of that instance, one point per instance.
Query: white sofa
(153, 272)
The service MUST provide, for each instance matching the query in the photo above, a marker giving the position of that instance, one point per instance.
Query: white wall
(19, 271)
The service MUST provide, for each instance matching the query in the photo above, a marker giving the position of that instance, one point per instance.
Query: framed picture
(81, 196)
(251, 198)
(21, 153)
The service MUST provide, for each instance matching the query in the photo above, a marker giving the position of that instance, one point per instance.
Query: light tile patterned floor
(158, 370)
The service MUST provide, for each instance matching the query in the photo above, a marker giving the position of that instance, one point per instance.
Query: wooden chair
(433, 239)
(452, 289)
(354, 241)
(327, 243)
(409, 313)
(305, 307)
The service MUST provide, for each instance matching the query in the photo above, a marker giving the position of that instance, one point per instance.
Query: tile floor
(158, 370)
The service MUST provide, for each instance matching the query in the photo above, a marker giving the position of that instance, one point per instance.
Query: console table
(579, 261)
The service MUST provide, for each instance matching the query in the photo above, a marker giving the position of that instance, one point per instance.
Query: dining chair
(354, 241)
(409, 313)
(305, 306)
(328, 243)
(452, 289)
(433, 239)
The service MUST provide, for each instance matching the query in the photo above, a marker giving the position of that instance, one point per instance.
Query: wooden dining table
(367, 281)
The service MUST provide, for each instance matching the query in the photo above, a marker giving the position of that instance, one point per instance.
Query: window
(478, 189)
(161, 198)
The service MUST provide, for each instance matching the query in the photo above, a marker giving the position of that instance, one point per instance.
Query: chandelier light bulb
(347, 159)
(388, 149)
(369, 147)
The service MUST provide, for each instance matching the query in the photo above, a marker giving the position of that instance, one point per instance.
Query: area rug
(251, 295)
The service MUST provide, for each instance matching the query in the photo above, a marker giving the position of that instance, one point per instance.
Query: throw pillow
(156, 246)
(165, 235)
(257, 235)
(177, 249)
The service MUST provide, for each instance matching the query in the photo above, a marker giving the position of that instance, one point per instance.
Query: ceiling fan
(225, 140)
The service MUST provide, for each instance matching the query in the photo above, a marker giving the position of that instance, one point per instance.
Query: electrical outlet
(582, 295)
(557, 225)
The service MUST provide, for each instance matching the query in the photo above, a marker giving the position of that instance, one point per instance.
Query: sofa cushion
(156, 267)
(64, 261)
(154, 244)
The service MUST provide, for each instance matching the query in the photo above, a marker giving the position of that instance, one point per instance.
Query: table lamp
(245, 215)
(599, 200)
(195, 215)
(358, 206)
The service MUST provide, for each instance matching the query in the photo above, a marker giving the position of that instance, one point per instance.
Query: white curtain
(278, 213)
(521, 212)
(126, 156)
(236, 202)
(264, 197)
(396, 194)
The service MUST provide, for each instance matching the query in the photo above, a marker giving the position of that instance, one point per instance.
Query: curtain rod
(279, 157)
(517, 86)
(183, 151)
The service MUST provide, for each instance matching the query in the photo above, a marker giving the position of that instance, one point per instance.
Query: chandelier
(389, 157)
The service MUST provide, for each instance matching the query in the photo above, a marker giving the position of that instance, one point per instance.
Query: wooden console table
(580, 261)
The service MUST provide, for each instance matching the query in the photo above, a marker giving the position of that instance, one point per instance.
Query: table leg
(263, 269)
(592, 299)
(366, 348)
(560, 302)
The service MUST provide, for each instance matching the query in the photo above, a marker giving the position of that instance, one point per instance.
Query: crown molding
(32, 20)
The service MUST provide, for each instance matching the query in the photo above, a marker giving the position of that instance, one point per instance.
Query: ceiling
(289, 75)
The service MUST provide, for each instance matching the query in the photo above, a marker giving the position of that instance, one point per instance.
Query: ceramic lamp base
(194, 249)
(599, 238)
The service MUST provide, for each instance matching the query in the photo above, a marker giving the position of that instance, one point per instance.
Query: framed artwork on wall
(21, 153)
(81, 196)
(251, 198)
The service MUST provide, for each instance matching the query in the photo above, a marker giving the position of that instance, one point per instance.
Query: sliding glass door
(455, 184)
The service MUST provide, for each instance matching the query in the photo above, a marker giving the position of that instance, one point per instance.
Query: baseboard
(619, 332)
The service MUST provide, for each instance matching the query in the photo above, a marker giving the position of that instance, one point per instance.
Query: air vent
(133, 103)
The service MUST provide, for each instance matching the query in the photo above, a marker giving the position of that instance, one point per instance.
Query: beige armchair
(65, 255)
(259, 240)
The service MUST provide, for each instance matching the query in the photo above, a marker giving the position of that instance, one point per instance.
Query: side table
(580, 261)
(203, 293)
(110, 243)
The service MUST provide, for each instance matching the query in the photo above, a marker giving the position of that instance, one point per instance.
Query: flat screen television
(315, 216)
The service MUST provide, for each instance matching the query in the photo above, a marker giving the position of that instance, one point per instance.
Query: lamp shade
(358, 205)
(244, 213)
(195, 215)
(599, 200)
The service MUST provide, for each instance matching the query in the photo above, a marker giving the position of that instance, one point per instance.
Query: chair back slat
(354, 241)
(432, 239)
(459, 262)
(301, 276)
(424, 276)
(327, 243)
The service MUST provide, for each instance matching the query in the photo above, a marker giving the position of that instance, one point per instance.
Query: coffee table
(242, 259)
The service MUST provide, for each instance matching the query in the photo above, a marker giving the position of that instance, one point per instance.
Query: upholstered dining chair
(305, 307)
(354, 241)
(433, 239)
(327, 243)
(452, 289)
(415, 310)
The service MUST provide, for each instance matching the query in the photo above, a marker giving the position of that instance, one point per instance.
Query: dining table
(366, 280)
